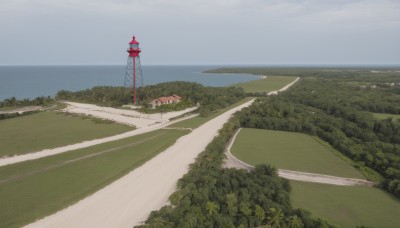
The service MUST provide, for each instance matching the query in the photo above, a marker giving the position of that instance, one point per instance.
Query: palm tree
(245, 209)
(212, 207)
(157, 222)
(295, 222)
(259, 213)
(276, 217)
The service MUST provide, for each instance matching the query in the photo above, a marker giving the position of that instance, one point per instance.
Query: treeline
(209, 98)
(38, 101)
(4, 116)
(330, 108)
(210, 196)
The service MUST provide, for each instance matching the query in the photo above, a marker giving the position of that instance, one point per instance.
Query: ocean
(33, 81)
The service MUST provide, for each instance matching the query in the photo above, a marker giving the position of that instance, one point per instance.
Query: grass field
(347, 206)
(383, 116)
(47, 130)
(271, 83)
(198, 120)
(34, 189)
(288, 150)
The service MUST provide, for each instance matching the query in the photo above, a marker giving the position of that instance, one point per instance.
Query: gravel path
(129, 200)
(232, 162)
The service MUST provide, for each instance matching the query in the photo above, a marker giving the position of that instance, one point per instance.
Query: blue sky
(64, 32)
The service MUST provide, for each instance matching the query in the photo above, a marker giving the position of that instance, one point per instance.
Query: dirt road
(233, 162)
(129, 200)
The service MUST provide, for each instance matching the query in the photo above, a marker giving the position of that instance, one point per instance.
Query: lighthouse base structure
(133, 76)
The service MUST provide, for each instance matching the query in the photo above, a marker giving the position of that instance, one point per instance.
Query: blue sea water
(32, 81)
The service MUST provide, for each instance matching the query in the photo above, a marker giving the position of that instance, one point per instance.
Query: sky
(200, 32)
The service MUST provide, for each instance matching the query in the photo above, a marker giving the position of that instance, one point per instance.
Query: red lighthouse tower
(133, 67)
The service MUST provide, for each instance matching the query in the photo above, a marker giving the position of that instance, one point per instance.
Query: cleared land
(291, 151)
(383, 116)
(129, 200)
(347, 206)
(198, 120)
(267, 84)
(34, 189)
(49, 130)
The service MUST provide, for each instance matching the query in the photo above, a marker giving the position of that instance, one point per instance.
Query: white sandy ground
(232, 162)
(123, 116)
(129, 200)
(118, 115)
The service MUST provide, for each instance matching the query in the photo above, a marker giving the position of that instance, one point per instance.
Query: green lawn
(198, 120)
(383, 116)
(292, 151)
(271, 83)
(47, 130)
(347, 206)
(34, 189)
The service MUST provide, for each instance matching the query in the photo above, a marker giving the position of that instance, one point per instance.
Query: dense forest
(338, 109)
(209, 98)
(211, 196)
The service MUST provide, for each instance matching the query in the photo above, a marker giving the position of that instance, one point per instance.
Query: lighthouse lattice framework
(133, 75)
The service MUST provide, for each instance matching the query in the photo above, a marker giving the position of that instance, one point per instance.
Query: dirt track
(233, 162)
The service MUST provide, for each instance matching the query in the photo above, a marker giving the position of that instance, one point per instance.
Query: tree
(231, 200)
(157, 222)
(212, 207)
(259, 212)
(295, 222)
(276, 217)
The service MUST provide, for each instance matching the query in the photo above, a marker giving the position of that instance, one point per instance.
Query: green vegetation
(199, 120)
(210, 98)
(210, 196)
(336, 106)
(34, 189)
(288, 150)
(347, 206)
(271, 83)
(13, 103)
(47, 130)
(383, 116)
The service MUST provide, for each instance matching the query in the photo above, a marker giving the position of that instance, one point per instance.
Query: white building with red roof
(165, 100)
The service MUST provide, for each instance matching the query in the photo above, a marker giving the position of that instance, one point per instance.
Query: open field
(347, 206)
(291, 151)
(198, 120)
(47, 130)
(34, 189)
(271, 83)
(383, 116)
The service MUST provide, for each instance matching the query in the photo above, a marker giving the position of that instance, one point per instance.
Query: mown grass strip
(288, 150)
(199, 120)
(41, 187)
(347, 206)
(47, 130)
(271, 83)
